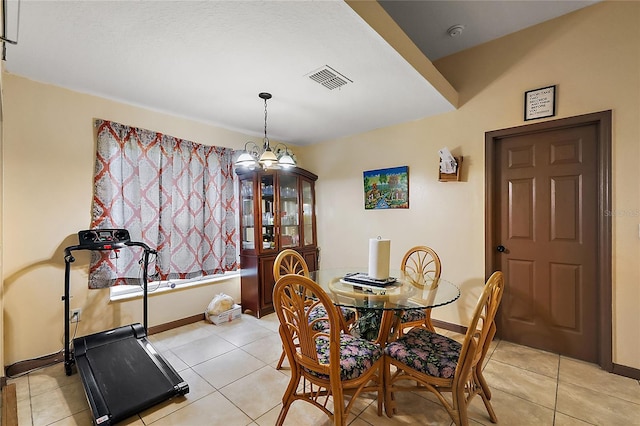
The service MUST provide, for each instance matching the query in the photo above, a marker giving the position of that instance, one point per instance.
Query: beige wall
(48, 164)
(593, 56)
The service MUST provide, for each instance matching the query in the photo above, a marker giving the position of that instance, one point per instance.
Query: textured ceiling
(208, 60)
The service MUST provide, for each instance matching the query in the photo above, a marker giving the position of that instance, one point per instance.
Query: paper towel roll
(379, 252)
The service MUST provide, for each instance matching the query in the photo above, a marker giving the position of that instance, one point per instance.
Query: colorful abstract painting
(386, 188)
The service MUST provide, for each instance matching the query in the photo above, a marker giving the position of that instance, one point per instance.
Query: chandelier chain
(266, 140)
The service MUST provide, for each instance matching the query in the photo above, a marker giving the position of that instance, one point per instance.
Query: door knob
(501, 248)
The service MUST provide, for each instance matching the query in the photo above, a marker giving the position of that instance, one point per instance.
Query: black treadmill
(122, 373)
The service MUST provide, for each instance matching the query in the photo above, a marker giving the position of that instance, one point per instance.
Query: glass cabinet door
(307, 211)
(289, 212)
(268, 212)
(248, 215)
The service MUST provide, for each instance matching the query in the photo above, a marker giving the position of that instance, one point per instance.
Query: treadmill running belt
(127, 376)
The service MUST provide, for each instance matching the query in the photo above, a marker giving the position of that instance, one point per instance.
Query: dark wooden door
(546, 208)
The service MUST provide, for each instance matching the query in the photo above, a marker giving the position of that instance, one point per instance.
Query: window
(126, 291)
(174, 195)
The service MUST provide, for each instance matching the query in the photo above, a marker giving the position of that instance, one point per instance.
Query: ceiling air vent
(329, 77)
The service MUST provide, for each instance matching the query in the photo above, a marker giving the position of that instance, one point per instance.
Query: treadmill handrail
(105, 246)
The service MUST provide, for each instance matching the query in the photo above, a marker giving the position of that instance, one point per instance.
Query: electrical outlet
(75, 315)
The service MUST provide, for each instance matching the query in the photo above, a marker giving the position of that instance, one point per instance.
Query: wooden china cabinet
(277, 212)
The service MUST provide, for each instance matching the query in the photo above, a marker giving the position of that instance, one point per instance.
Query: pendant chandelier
(254, 156)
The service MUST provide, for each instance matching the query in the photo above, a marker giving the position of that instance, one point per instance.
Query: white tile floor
(232, 378)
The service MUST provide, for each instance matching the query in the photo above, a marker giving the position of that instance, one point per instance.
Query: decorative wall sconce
(449, 166)
(254, 156)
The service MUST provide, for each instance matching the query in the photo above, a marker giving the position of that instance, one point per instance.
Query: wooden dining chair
(325, 363)
(290, 261)
(420, 264)
(425, 360)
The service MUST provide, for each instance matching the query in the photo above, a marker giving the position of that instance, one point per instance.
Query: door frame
(602, 120)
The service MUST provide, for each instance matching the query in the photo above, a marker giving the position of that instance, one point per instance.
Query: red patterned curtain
(174, 195)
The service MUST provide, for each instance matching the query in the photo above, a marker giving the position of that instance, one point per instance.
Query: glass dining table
(380, 306)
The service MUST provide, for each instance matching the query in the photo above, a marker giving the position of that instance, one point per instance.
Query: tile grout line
(230, 401)
(610, 395)
(555, 405)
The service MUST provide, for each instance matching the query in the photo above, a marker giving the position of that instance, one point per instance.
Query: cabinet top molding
(296, 170)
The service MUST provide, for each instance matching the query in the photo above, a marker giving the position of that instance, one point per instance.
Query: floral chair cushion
(425, 351)
(356, 356)
(320, 312)
(412, 315)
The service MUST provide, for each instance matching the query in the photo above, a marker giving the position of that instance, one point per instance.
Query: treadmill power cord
(151, 260)
(27, 366)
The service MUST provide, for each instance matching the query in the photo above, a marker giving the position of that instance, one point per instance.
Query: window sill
(134, 294)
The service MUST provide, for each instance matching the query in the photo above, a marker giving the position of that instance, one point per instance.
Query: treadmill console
(105, 239)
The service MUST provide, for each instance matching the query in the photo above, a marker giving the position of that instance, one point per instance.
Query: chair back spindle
(289, 261)
(421, 265)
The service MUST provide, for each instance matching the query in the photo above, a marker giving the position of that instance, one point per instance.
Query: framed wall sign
(386, 188)
(540, 103)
